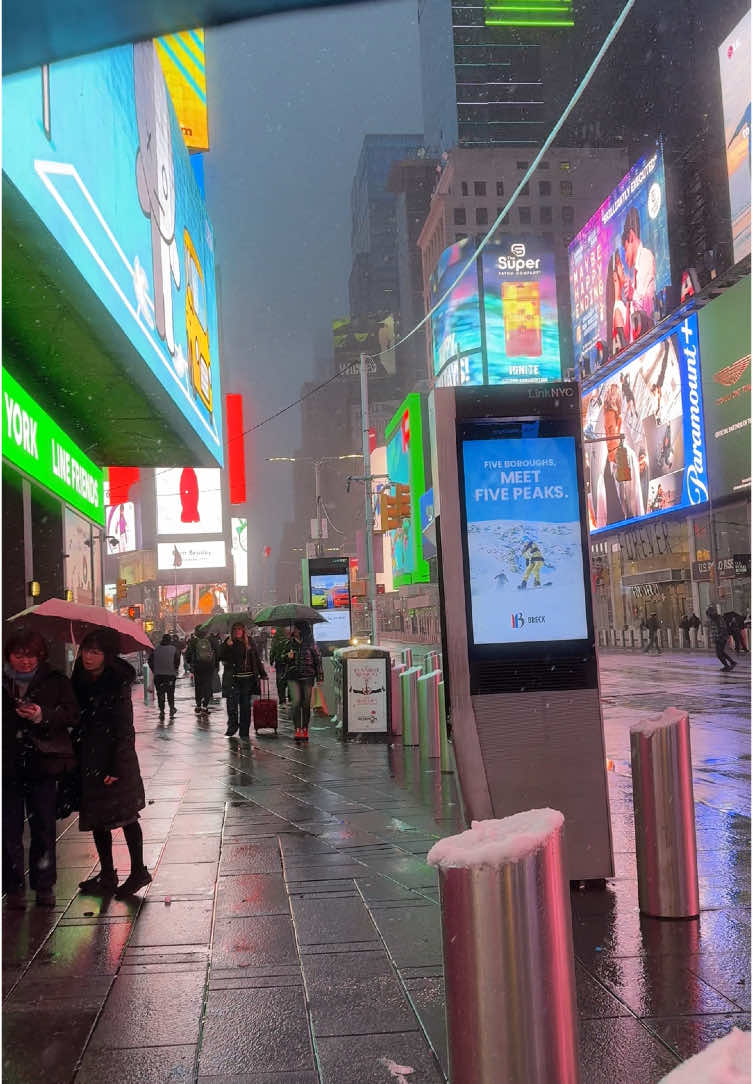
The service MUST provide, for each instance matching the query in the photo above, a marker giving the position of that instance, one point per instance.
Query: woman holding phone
(39, 709)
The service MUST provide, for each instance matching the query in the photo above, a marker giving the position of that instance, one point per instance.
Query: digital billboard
(499, 324)
(523, 535)
(734, 65)
(724, 332)
(126, 210)
(183, 66)
(239, 550)
(189, 500)
(620, 267)
(643, 431)
(175, 555)
(405, 466)
(330, 595)
(120, 527)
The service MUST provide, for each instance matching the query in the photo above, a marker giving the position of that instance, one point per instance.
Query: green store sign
(36, 445)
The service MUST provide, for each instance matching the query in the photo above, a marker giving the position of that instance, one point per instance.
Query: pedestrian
(39, 709)
(112, 792)
(242, 674)
(720, 635)
(278, 658)
(304, 668)
(735, 626)
(203, 664)
(652, 624)
(164, 663)
(685, 629)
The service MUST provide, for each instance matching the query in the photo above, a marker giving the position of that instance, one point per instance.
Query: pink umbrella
(56, 619)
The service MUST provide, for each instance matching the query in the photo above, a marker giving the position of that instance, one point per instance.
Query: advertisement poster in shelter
(367, 696)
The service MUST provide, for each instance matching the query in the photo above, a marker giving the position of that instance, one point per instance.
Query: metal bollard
(665, 840)
(428, 714)
(146, 674)
(397, 698)
(445, 764)
(409, 690)
(406, 656)
(508, 952)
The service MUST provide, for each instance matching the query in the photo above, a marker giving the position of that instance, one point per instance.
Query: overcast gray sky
(290, 99)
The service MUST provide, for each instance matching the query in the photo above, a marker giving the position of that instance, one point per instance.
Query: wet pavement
(292, 931)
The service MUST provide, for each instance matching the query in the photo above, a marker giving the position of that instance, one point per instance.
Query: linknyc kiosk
(519, 633)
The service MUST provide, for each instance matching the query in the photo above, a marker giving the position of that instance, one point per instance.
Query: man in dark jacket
(720, 635)
(278, 657)
(653, 630)
(164, 662)
(39, 707)
(735, 624)
(203, 664)
(242, 675)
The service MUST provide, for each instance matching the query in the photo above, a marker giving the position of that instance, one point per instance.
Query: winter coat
(236, 660)
(164, 661)
(278, 649)
(107, 746)
(37, 750)
(306, 663)
(717, 628)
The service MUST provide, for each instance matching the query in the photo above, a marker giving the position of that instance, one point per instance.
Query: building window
(564, 167)
(548, 239)
(500, 188)
(545, 188)
(522, 165)
(566, 188)
(545, 216)
(479, 188)
(460, 236)
(482, 216)
(568, 215)
(464, 188)
(525, 216)
(543, 165)
(459, 216)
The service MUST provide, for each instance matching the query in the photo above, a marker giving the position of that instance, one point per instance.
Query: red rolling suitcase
(265, 711)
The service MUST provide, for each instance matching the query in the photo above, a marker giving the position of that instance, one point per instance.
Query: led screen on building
(184, 66)
(239, 550)
(126, 209)
(523, 535)
(189, 500)
(330, 595)
(508, 332)
(620, 267)
(650, 411)
(734, 65)
(184, 555)
(405, 467)
(120, 527)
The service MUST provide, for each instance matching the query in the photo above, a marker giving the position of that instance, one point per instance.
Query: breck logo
(517, 620)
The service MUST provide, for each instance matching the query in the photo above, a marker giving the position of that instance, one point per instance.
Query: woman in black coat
(112, 792)
(38, 709)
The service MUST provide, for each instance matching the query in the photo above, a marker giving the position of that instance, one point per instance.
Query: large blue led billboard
(94, 146)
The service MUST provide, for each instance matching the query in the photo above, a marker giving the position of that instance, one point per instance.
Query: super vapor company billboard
(126, 209)
(499, 324)
(734, 67)
(643, 429)
(620, 267)
(523, 534)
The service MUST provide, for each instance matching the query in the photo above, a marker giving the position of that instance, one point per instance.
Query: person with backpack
(278, 658)
(203, 664)
(164, 662)
(304, 668)
(719, 633)
(242, 674)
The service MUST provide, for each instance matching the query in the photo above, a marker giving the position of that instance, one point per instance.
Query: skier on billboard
(534, 560)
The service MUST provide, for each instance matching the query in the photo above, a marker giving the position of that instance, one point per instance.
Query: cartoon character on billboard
(155, 181)
(197, 335)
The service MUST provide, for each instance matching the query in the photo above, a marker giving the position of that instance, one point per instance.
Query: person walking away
(278, 658)
(204, 664)
(242, 674)
(685, 629)
(164, 663)
(720, 635)
(735, 624)
(304, 668)
(652, 624)
(112, 792)
(38, 709)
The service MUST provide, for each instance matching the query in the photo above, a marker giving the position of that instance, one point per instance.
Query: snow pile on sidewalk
(725, 1061)
(648, 727)
(492, 844)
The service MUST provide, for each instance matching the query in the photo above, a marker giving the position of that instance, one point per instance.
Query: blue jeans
(239, 703)
(300, 699)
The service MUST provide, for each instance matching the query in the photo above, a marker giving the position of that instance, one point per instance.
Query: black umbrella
(220, 623)
(287, 613)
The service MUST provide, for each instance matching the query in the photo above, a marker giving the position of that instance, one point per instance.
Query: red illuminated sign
(236, 456)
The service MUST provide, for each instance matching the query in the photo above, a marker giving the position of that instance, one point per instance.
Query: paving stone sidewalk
(292, 931)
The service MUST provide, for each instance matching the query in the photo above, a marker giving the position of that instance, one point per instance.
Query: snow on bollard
(725, 1061)
(665, 842)
(508, 952)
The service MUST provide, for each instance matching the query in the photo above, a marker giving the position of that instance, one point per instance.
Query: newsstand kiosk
(519, 633)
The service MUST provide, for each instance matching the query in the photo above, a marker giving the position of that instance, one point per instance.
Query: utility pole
(318, 490)
(370, 573)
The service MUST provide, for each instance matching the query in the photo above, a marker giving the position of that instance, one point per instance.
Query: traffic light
(403, 503)
(389, 511)
(134, 612)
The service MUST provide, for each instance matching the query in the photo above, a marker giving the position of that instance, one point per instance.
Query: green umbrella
(224, 622)
(286, 613)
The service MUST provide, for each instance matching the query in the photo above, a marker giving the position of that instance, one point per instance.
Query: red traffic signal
(134, 612)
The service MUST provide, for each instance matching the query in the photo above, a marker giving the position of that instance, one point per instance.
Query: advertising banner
(239, 549)
(189, 500)
(724, 331)
(525, 559)
(405, 466)
(120, 525)
(330, 594)
(126, 209)
(175, 555)
(183, 65)
(619, 266)
(79, 562)
(650, 412)
(367, 696)
(509, 332)
(35, 444)
(734, 66)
